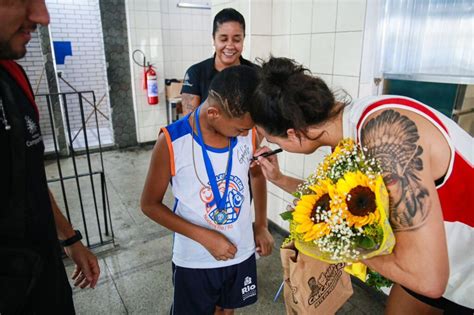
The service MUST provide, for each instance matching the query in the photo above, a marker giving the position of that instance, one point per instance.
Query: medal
(219, 215)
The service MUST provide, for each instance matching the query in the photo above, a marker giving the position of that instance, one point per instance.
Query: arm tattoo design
(392, 139)
(187, 101)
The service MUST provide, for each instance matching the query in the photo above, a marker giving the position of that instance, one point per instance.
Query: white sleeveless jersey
(193, 201)
(456, 192)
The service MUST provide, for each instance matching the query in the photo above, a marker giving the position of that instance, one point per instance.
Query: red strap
(19, 76)
(406, 102)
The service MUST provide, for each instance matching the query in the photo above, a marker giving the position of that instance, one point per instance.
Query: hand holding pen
(269, 164)
(267, 154)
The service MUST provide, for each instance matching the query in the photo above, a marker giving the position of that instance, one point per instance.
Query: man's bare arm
(87, 270)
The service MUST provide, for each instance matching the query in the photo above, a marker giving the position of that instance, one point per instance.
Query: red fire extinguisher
(151, 85)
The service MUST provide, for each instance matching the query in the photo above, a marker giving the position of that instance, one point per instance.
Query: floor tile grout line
(115, 286)
(110, 182)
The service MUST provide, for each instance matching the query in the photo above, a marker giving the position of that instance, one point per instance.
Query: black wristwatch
(72, 239)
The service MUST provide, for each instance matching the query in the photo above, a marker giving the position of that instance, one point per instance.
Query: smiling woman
(228, 37)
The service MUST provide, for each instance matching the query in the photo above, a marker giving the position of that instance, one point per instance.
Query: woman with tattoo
(427, 162)
(228, 37)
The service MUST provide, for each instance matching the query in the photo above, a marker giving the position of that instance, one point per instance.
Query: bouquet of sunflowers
(342, 211)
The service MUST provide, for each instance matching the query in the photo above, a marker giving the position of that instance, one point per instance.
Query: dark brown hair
(233, 88)
(289, 97)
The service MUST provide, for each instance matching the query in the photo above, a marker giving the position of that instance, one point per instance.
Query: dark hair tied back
(279, 70)
(289, 97)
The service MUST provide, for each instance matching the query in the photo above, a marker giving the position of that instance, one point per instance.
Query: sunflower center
(361, 201)
(323, 204)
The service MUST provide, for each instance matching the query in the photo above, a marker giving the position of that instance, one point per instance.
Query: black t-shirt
(199, 76)
(26, 216)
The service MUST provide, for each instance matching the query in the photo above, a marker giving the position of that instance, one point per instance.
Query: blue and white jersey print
(234, 202)
(194, 201)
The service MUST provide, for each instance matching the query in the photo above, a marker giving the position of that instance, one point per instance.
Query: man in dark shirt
(32, 274)
(228, 37)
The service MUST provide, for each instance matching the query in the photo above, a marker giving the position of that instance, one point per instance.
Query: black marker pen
(266, 154)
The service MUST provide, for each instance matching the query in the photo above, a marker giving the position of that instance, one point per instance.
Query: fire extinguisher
(151, 85)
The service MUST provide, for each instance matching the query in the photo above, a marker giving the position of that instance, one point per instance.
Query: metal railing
(77, 204)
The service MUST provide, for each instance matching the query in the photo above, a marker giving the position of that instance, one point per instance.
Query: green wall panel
(441, 96)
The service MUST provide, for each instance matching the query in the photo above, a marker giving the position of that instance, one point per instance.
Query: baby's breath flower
(338, 241)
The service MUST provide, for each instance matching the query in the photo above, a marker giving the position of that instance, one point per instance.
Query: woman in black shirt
(228, 36)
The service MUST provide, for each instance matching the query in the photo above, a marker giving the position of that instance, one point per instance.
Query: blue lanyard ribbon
(218, 200)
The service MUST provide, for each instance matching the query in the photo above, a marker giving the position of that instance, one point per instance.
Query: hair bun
(279, 70)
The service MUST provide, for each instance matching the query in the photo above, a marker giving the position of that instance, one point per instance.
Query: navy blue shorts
(199, 291)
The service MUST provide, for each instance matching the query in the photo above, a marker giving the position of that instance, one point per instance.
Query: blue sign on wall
(61, 50)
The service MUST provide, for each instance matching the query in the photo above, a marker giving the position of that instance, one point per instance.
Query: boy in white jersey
(206, 156)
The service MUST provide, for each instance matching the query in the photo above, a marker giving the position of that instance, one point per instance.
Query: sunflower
(362, 198)
(311, 211)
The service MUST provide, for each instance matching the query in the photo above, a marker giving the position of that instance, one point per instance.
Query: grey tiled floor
(136, 272)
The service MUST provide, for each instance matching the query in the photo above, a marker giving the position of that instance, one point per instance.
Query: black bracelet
(76, 238)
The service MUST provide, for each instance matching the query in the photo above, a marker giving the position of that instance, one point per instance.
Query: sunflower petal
(309, 198)
(300, 218)
(302, 210)
(303, 228)
(304, 204)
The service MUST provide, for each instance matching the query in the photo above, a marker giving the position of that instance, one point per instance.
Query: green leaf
(287, 215)
(376, 280)
(366, 242)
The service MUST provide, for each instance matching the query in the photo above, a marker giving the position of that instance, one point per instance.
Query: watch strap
(73, 239)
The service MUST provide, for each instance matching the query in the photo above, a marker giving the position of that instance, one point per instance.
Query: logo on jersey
(186, 80)
(249, 289)
(233, 205)
(32, 127)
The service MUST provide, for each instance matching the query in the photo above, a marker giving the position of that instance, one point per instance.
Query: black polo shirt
(26, 217)
(199, 76)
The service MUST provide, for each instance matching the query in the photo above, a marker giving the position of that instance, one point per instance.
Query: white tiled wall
(173, 39)
(350, 15)
(301, 16)
(187, 36)
(145, 33)
(280, 45)
(347, 55)
(324, 35)
(324, 16)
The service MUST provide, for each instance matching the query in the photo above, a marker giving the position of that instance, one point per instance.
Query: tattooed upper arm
(190, 102)
(394, 140)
